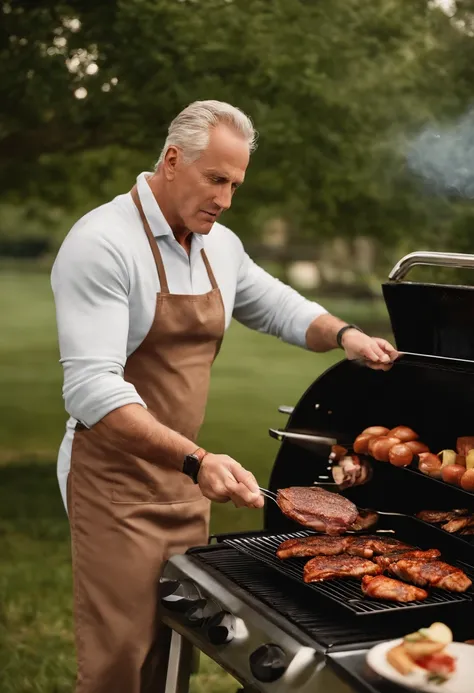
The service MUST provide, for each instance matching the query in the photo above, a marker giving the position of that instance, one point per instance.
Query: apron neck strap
(210, 273)
(160, 268)
(156, 251)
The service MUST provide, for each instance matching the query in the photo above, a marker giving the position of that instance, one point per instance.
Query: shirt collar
(158, 224)
(155, 217)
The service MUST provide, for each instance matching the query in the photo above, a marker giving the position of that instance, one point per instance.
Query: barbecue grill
(250, 611)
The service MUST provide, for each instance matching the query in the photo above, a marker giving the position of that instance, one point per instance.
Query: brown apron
(129, 515)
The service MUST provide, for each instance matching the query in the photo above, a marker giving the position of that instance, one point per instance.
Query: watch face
(191, 467)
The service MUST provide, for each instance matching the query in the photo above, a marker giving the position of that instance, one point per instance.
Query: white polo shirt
(105, 282)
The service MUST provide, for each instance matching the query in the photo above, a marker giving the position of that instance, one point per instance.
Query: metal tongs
(347, 471)
(270, 495)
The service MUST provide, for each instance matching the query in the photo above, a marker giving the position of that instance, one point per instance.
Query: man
(145, 287)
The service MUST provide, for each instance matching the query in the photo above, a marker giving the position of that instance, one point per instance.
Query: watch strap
(342, 331)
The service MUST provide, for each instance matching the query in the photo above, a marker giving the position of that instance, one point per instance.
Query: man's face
(202, 190)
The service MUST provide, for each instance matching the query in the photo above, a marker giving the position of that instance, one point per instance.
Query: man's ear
(170, 162)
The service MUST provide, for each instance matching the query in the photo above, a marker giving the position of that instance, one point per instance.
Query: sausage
(375, 431)
(382, 447)
(430, 464)
(416, 446)
(404, 433)
(453, 474)
(361, 443)
(400, 455)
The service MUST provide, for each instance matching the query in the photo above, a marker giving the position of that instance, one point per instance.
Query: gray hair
(190, 129)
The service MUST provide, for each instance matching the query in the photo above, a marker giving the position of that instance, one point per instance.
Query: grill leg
(180, 665)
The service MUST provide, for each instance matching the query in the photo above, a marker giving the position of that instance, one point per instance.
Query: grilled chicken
(316, 508)
(436, 517)
(366, 520)
(313, 546)
(371, 545)
(432, 573)
(328, 567)
(414, 555)
(381, 587)
(456, 524)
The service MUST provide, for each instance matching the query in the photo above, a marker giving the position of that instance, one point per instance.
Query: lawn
(252, 376)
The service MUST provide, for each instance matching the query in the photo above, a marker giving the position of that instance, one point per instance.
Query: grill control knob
(221, 628)
(268, 663)
(182, 597)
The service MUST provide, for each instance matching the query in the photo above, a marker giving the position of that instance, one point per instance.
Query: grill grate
(345, 592)
(330, 628)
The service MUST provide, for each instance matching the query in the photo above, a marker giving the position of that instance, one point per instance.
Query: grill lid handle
(310, 439)
(285, 409)
(432, 259)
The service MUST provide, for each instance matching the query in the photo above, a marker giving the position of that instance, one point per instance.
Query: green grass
(252, 376)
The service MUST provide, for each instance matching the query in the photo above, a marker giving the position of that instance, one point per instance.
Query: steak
(313, 546)
(381, 587)
(393, 557)
(328, 567)
(433, 573)
(318, 509)
(371, 545)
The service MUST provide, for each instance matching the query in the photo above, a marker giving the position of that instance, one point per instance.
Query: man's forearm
(322, 332)
(132, 428)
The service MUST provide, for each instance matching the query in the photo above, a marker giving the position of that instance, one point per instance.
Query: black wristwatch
(192, 464)
(342, 331)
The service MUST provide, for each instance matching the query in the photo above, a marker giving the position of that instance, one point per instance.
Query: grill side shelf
(346, 593)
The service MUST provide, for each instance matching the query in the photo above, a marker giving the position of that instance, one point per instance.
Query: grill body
(250, 612)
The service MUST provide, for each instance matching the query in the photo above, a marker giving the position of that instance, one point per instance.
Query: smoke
(443, 158)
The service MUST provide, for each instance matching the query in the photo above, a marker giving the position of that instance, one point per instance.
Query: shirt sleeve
(266, 304)
(90, 283)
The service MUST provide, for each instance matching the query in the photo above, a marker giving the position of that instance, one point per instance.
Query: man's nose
(224, 197)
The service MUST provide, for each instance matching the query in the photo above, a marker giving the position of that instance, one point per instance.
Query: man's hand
(221, 479)
(376, 352)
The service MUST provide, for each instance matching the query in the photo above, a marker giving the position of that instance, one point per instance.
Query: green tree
(336, 89)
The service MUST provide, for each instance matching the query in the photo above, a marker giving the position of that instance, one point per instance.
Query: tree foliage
(336, 88)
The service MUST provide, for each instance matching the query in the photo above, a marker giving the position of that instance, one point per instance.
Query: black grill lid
(433, 319)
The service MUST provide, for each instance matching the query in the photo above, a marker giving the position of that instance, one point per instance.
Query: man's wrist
(341, 333)
(200, 453)
(192, 463)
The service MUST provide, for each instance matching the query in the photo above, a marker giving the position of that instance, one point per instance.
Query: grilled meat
(316, 508)
(370, 545)
(365, 520)
(328, 567)
(436, 517)
(415, 554)
(458, 523)
(433, 573)
(381, 587)
(313, 546)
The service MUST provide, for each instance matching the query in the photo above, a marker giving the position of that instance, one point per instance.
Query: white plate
(461, 682)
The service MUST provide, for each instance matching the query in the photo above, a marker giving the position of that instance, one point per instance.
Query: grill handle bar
(319, 441)
(285, 409)
(432, 259)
